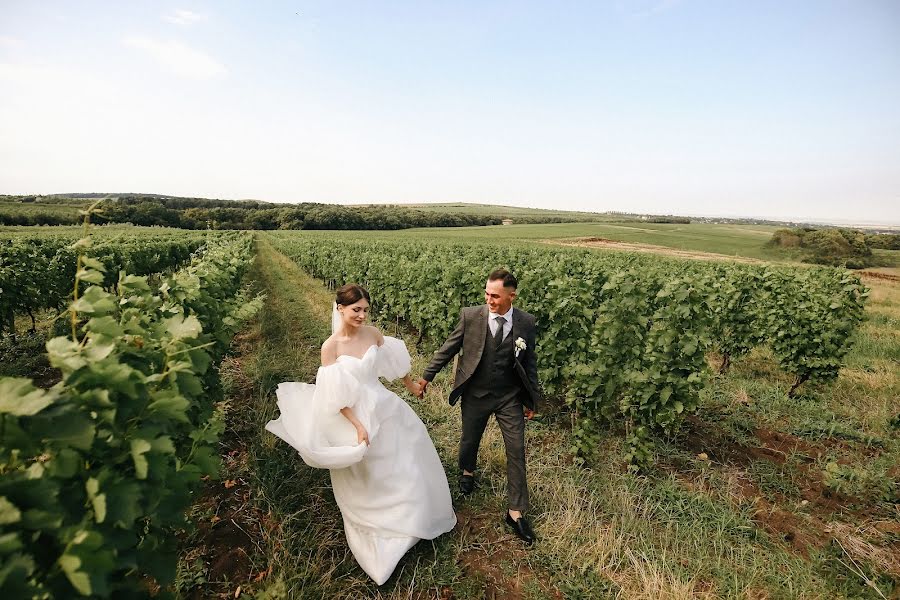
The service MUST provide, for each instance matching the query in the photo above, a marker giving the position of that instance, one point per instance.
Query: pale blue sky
(787, 109)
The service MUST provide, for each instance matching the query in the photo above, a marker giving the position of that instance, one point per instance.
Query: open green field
(734, 240)
(737, 240)
(41, 207)
(28, 208)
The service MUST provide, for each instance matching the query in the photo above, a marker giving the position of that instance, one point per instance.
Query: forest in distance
(205, 213)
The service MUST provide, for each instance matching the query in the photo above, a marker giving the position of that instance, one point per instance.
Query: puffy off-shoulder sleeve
(311, 421)
(336, 388)
(393, 359)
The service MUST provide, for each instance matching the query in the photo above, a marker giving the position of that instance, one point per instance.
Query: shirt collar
(507, 315)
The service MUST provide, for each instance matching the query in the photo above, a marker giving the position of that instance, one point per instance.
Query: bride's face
(354, 315)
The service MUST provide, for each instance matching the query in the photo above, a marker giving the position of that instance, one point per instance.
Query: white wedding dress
(391, 493)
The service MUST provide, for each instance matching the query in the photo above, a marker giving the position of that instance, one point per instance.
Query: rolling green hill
(512, 212)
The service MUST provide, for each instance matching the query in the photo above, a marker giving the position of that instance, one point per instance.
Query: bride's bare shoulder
(329, 351)
(375, 334)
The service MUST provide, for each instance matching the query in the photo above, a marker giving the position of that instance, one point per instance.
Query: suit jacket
(469, 336)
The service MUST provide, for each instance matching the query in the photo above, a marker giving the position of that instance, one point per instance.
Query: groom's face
(498, 298)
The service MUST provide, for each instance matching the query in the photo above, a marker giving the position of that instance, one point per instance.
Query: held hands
(414, 387)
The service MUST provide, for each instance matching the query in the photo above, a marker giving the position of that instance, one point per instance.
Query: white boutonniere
(520, 345)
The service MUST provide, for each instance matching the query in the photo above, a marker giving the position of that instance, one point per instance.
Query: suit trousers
(510, 417)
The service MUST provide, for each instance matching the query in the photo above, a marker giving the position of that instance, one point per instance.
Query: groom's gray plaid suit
(491, 379)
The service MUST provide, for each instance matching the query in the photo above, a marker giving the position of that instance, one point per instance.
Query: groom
(496, 375)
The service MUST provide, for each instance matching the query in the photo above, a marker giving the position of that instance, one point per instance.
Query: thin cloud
(178, 58)
(184, 17)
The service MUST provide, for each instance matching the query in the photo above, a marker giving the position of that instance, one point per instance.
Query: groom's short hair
(509, 280)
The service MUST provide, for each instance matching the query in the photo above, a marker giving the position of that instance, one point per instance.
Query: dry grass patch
(741, 397)
(866, 543)
(884, 296)
(652, 582)
(880, 375)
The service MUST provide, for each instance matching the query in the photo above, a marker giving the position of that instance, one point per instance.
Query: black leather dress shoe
(522, 528)
(466, 484)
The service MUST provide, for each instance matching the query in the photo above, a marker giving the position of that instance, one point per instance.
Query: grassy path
(694, 529)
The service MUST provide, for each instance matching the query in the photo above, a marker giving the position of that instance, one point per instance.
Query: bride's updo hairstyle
(351, 293)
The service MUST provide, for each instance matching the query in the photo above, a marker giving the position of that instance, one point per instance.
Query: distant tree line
(298, 216)
(849, 248)
(668, 219)
(204, 213)
(884, 241)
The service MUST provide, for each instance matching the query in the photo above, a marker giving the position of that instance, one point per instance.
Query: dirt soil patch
(228, 524)
(809, 525)
(603, 243)
(891, 275)
(499, 559)
(700, 436)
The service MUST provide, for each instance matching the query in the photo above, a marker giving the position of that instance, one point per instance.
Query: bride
(387, 478)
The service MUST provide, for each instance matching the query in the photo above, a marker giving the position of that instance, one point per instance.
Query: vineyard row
(37, 271)
(98, 471)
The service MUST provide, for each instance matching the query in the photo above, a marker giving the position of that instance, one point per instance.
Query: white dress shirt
(507, 327)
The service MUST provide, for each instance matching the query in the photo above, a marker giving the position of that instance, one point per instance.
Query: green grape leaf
(139, 447)
(98, 500)
(8, 512)
(90, 276)
(93, 263)
(95, 301)
(171, 404)
(19, 397)
(181, 327)
(107, 326)
(9, 543)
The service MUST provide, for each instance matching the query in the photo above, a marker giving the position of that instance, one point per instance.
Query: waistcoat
(495, 374)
